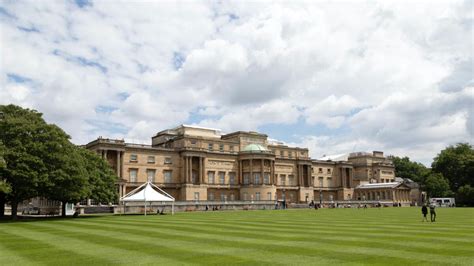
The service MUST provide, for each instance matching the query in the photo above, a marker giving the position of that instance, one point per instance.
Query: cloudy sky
(332, 76)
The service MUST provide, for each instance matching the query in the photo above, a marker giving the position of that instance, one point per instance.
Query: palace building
(200, 164)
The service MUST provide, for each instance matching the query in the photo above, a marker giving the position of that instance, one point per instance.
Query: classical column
(251, 171)
(204, 170)
(343, 180)
(190, 169)
(105, 155)
(261, 169)
(240, 172)
(118, 163)
(272, 172)
(200, 170)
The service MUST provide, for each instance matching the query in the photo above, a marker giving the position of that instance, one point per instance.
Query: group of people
(424, 211)
(314, 205)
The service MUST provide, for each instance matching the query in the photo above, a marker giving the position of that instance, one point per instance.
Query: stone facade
(199, 164)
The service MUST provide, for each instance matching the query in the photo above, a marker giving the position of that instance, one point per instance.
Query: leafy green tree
(21, 132)
(102, 178)
(68, 178)
(407, 169)
(437, 186)
(465, 196)
(456, 163)
(4, 186)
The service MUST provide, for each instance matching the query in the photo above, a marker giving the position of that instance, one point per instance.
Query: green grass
(394, 236)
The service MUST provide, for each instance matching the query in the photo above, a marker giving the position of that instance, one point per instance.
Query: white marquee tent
(148, 192)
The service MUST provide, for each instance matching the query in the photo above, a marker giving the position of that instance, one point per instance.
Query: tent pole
(172, 208)
(145, 207)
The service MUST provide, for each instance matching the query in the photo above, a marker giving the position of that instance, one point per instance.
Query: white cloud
(373, 74)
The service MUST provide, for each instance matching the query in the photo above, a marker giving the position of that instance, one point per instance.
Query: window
(269, 196)
(210, 146)
(329, 182)
(256, 178)
(320, 170)
(210, 177)
(210, 196)
(232, 178)
(232, 197)
(168, 160)
(151, 159)
(221, 147)
(290, 154)
(150, 173)
(196, 196)
(133, 175)
(245, 196)
(291, 180)
(329, 170)
(282, 179)
(222, 178)
(246, 178)
(193, 142)
(168, 176)
(266, 178)
(320, 181)
(231, 147)
(282, 153)
(223, 197)
(133, 157)
(257, 195)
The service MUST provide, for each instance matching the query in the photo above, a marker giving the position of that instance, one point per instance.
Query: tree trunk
(2, 205)
(63, 207)
(14, 209)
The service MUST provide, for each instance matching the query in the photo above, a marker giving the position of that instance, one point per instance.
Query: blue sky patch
(29, 29)
(17, 78)
(178, 60)
(83, 3)
(105, 109)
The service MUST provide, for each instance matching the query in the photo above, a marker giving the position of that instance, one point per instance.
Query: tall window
(151, 175)
(210, 177)
(168, 160)
(266, 178)
(210, 146)
(222, 178)
(222, 196)
(231, 148)
(246, 196)
(210, 196)
(168, 176)
(269, 196)
(133, 175)
(196, 196)
(133, 158)
(256, 178)
(282, 179)
(257, 195)
(151, 159)
(232, 196)
(290, 154)
(232, 178)
(221, 147)
(246, 178)
(291, 180)
(329, 170)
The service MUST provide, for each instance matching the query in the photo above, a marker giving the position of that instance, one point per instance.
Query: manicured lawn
(394, 236)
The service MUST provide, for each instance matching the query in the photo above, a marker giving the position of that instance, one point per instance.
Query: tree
(413, 170)
(24, 171)
(4, 186)
(68, 178)
(456, 163)
(465, 196)
(101, 177)
(437, 186)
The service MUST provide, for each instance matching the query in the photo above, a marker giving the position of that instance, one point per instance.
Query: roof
(147, 193)
(336, 157)
(379, 185)
(255, 148)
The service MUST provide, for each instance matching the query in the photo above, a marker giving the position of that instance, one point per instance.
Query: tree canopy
(456, 163)
(40, 160)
